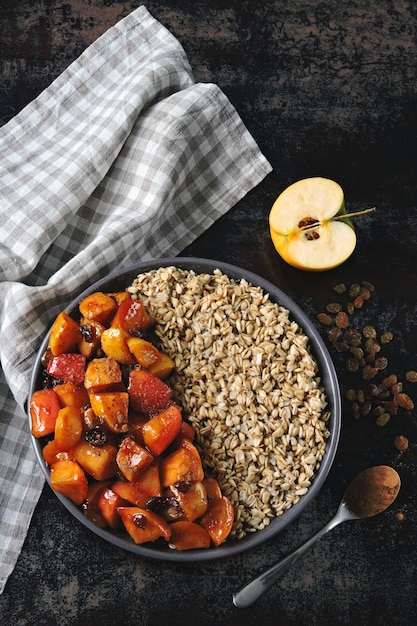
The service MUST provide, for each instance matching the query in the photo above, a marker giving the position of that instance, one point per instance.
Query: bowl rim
(328, 378)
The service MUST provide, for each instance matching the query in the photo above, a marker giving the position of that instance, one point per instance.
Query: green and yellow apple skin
(323, 246)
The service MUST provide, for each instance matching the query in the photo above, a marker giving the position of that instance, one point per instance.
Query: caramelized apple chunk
(188, 536)
(143, 525)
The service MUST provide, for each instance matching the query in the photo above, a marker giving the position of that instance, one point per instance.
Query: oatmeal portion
(247, 382)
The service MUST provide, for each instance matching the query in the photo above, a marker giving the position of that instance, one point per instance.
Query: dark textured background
(326, 88)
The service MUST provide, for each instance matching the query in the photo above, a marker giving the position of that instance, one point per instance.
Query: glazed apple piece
(119, 296)
(90, 504)
(65, 334)
(108, 503)
(44, 408)
(147, 393)
(114, 344)
(132, 459)
(218, 519)
(136, 422)
(69, 479)
(131, 492)
(161, 429)
(90, 420)
(181, 466)
(212, 487)
(98, 306)
(71, 394)
(143, 525)
(97, 461)
(144, 352)
(52, 453)
(113, 408)
(68, 427)
(186, 432)
(188, 536)
(102, 374)
(162, 367)
(149, 480)
(68, 367)
(132, 317)
(139, 492)
(192, 499)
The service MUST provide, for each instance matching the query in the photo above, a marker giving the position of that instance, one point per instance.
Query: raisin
(334, 334)
(358, 302)
(360, 396)
(88, 332)
(411, 376)
(364, 293)
(350, 395)
(352, 336)
(325, 319)
(378, 410)
(368, 285)
(372, 390)
(383, 394)
(342, 320)
(46, 357)
(369, 332)
(340, 288)
(341, 346)
(405, 402)
(366, 407)
(350, 308)
(381, 363)
(386, 337)
(401, 443)
(397, 388)
(353, 290)
(389, 381)
(167, 507)
(140, 520)
(96, 436)
(357, 351)
(391, 407)
(369, 372)
(382, 420)
(372, 346)
(333, 307)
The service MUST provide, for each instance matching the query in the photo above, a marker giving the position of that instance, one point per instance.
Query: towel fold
(122, 158)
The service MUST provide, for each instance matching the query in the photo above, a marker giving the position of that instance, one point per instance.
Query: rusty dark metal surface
(326, 88)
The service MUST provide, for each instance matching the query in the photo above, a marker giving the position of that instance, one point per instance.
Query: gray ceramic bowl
(118, 282)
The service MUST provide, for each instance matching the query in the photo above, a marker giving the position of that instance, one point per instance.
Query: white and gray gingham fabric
(122, 158)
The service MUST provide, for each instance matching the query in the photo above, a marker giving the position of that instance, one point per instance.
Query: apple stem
(354, 214)
(316, 224)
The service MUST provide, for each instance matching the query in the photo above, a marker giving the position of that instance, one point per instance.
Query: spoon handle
(253, 590)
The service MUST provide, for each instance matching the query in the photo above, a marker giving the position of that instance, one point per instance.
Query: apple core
(309, 225)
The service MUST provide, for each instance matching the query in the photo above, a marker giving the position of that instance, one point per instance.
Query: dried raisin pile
(381, 394)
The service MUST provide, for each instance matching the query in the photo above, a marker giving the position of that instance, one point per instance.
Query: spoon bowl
(370, 493)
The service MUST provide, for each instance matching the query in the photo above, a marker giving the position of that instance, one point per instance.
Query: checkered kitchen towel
(122, 158)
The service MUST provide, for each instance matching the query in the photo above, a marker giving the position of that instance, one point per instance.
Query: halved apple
(307, 228)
